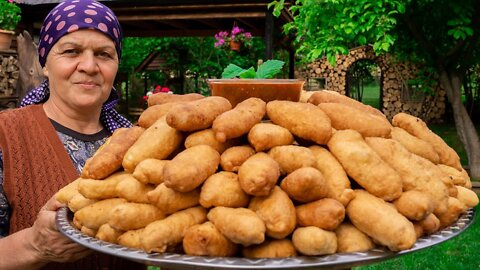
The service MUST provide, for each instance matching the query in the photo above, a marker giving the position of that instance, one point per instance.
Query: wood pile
(9, 74)
(395, 94)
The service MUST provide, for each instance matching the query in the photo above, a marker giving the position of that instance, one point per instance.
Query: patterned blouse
(78, 146)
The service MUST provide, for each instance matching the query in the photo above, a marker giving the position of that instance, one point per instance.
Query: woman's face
(81, 68)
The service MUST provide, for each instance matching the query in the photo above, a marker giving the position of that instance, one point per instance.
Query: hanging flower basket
(232, 40)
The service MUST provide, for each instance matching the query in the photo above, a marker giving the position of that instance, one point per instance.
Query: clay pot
(235, 46)
(6, 39)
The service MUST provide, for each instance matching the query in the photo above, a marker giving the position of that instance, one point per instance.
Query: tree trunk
(452, 83)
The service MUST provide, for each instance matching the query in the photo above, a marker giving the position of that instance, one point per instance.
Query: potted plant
(9, 18)
(233, 39)
(238, 84)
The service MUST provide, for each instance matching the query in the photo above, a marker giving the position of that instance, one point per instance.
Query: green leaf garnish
(248, 74)
(232, 71)
(269, 69)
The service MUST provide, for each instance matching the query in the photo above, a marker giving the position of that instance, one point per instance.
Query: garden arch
(399, 92)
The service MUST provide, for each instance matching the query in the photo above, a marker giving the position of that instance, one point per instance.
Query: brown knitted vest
(36, 166)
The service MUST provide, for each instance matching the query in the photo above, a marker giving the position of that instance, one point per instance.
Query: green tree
(443, 35)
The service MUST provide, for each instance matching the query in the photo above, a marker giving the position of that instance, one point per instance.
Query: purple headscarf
(70, 16)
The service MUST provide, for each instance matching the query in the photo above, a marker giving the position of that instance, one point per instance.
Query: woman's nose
(88, 63)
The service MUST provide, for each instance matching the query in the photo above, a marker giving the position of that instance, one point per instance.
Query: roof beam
(223, 15)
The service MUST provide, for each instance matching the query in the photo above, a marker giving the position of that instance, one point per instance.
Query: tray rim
(182, 261)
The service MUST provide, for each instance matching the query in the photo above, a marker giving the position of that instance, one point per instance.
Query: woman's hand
(48, 243)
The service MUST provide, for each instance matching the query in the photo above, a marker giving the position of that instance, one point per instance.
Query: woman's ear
(45, 71)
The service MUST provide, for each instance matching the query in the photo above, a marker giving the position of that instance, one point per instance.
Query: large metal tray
(181, 261)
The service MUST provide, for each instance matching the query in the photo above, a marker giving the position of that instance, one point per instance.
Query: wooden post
(291, 64)
(269, 35)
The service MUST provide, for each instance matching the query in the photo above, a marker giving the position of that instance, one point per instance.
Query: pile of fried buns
(324, 175)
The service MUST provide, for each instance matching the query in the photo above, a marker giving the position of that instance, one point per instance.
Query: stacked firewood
(8, 74)
(396, 93)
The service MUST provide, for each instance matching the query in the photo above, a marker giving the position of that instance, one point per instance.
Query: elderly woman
(45, 144)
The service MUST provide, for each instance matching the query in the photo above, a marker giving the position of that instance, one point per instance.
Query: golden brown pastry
(382, 222)
(458, 177)
(414, 204)
(416, 172)
(108, 158)
(336, 179)
(133, 191)
(162, 98)
(233, 157)
(454, 210)
(240, 225)
(96, 214)
(67, 192)
(346, 117)
(78, 202)
(207, 136)
(170, 201)
(133, 216)
(131, 239)
(264, 136)
(305, 95)
(108, 234)
(468, 182)
(162, 234)
(223, 189)
(102, 189)
(314, 241)
(153, 113)
(292, 157)
(158, 141)
(277, 212)
(418, 128)
(304, 120)
(259, 174)
(239, 120)
(326, 214)
(415, 145)
(150, 171)
(206, 240)
(327, 96)
(305, 185)
(467, 196)
(198, 114)
(88, 231)
(351, 239)
(364, 165)
(190, 168)
(274, 248)
(428, 225)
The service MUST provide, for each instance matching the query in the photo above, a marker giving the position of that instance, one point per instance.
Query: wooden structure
(179, 18)
(397, 93)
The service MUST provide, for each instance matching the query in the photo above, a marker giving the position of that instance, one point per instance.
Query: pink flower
(236, 30)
